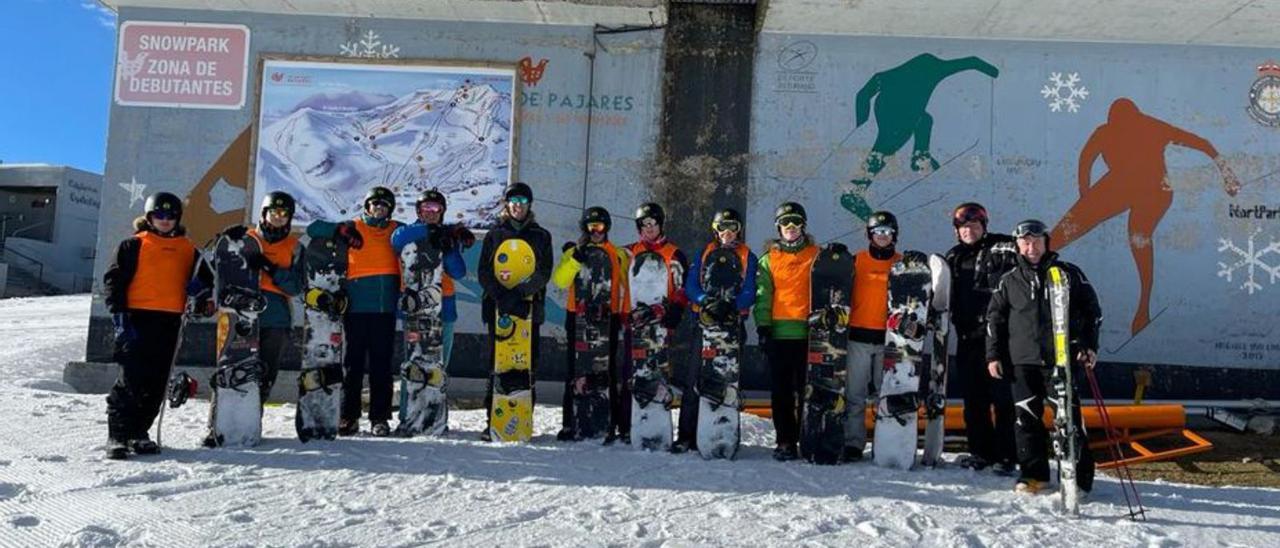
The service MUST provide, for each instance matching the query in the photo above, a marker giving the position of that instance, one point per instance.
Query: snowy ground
(55, 489)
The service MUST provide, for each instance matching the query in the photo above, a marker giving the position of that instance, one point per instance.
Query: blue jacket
(368, 295)
(746, 295)
(291, 280)
(454, 267)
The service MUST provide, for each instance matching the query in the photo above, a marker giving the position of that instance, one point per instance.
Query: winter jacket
(619, 291)
(975, 271)
(783, 295)
(536, 286)
(677, 266)
(151, 271)
(373, 271)
(746, 295)
(1019, 324)
(454, 267)
(288, 280)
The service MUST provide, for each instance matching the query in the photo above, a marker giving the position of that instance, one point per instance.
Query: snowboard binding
(332, 303)
(181, 387)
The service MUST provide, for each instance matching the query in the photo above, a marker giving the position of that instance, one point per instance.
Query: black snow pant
(145, 356)
(371, 339)
(1031, 385)
(535, 349)
(619, 393)
(272, 344)
(990, 440)
(788, 359)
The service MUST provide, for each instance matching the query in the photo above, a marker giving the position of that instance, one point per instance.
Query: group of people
(999, 308)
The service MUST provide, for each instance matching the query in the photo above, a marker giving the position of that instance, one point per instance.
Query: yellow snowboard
(511, 417)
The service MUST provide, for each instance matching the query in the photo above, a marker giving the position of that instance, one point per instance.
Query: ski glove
(236, 232)
(719, 310)
(125, 332)
(462, 235)
(258, 261)
(509, 302)
(438, 239)
(347, 232)
(570, 250)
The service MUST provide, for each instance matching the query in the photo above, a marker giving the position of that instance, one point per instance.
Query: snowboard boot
(144, 446)
(485, 435)
(117, 450)
(1028, 486)
(348, 427)
(566, 434)
(785, 452)
(1005, 468)
(974, 462)
(381, 429)
(851, 454)
(683, 446)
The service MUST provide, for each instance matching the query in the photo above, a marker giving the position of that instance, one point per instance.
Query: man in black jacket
(515, 222)
(1019, 328)
(977, 262)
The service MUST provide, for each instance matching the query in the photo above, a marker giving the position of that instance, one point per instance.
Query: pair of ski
(919, 290)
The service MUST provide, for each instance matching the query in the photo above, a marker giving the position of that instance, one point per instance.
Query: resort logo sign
(1264, 95)
(182, 65)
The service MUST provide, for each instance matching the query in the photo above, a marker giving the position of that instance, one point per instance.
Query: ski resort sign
(182, 65)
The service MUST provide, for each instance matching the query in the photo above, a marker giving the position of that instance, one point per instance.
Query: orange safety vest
(280, 254)
(618, 301)
(870, 303)
(668, 252)
(792, 275)
(376, 257)
(164, 267)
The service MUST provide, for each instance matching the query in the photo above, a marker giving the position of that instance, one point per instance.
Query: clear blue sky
(57, 57)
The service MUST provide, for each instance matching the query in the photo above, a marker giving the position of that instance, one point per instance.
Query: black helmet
(790, 209)
(653, 211)
(518, 189)
(882, 219)
(969, 211)
(380, 194)
(164, 201)
(595, 214)
(728, 214)
(278, 199)
(1032, 227)
(431, 195)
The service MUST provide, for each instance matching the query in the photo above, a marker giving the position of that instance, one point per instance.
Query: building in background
(48, 228)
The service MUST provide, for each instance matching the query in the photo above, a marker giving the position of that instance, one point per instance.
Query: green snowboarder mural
(901, 95)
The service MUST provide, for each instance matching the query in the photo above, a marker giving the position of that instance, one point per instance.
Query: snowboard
(718, 432)
(935, 396)
(235, 415)
(320, 380)
(511, 412)
(651, 393)
(910, 293)
(592, 288)
(1066, 441)
(423, 404)
(823, 415)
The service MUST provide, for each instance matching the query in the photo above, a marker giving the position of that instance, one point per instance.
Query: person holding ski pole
(145, 289)
(1020, 331)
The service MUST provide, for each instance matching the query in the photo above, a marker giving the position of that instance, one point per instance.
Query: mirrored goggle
(380, 203)
(431, 207)
(968, 214)
(791, 222)
(164, 215)
(883, 231)
(1030, 228)
(727, 226)
(278, 212)
(595, 227)
(518, 200)
(649, 223)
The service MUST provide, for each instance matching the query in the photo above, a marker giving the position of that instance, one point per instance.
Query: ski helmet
(432, 195)
(969, 211)
(1032, 227)
(882, 219)
(277, 199)
(727, 215)
(380, 194)
(164, 202)
(595, 214)
(518, 189)
(790, 209)
(653, 211)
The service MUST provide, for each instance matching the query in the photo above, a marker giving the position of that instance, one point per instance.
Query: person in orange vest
(373, 293)
(595, 224)
(282, 276)
(868, 313)
(649, 220)
(728, 228)
(146, 289)
(782, 320)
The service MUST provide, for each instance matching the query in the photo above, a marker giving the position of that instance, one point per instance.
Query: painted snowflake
(370, 47)
(1250, 259)
(1064, 92)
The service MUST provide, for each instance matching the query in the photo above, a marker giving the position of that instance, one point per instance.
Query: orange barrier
(1133, 424)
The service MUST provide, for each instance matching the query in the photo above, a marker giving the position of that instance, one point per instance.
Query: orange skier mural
(1132, 144)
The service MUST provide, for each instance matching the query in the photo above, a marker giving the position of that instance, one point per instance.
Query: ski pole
(1113, 446)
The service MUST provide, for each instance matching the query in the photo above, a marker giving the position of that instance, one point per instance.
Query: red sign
(182, 65)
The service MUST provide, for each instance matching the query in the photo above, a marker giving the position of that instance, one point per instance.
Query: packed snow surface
(56, 489)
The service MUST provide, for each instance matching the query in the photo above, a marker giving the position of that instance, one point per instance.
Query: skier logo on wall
(1132, 145)
(901, 98)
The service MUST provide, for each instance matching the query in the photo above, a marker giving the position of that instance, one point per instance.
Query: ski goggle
(278, 212)
(791, 221)
(883, 231)
(518, 200)
(727, 226)
(649, 223)
(379, 203)
(164, 215)
(431, 207)
(967, 214)
(1031, 227)
(596, 227)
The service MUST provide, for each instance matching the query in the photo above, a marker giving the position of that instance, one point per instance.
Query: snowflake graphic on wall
(370, 47)
(1065, 92)
(1250, 259)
